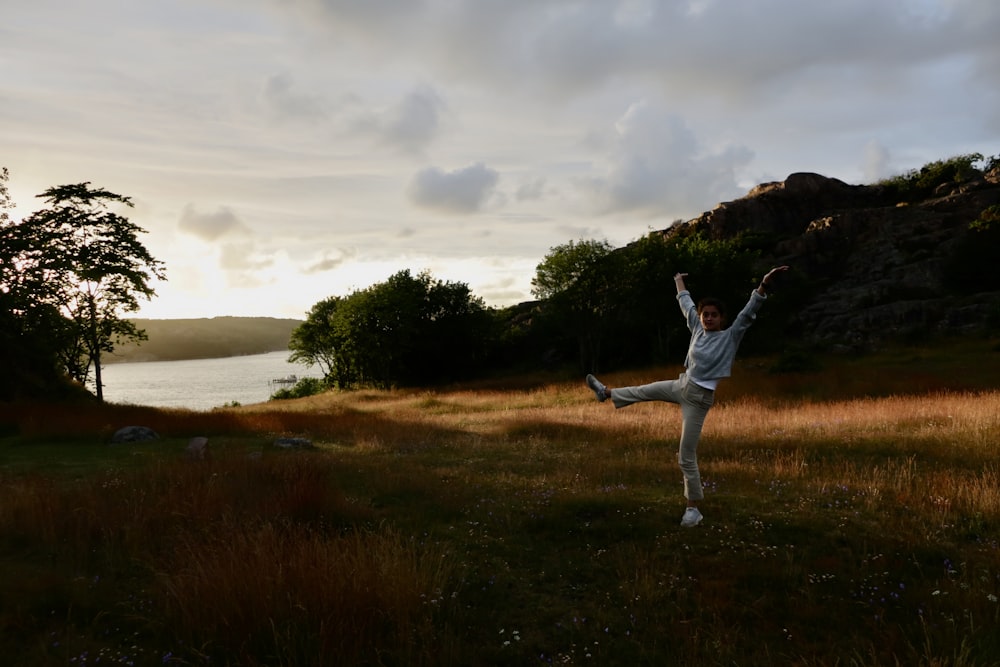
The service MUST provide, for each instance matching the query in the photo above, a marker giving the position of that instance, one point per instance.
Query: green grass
(852, 517)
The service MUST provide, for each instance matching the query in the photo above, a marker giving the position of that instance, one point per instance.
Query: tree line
(70, 271)
(597, 307)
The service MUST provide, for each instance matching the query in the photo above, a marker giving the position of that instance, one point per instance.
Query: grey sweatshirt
(710, 354)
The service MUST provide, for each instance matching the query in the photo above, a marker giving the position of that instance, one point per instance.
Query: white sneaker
(692, 517)
(599, 389)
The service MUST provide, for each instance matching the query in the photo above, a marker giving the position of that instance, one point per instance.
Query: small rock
(134, 434)
(197, 448)
(293, 443)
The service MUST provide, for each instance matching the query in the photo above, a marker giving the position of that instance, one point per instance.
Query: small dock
(280, 382)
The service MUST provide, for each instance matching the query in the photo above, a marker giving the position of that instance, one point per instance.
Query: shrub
(301, 389)
(919, 183)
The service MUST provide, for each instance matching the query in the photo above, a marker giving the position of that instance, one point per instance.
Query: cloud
(243, 263)
(413, 122)
(408, 125)
(283, 102)
(461, 191)
(753, 51)
(876, 162)
(328, 263)
(313, 120)
(656, 165)
(531, 191)
(211, 226)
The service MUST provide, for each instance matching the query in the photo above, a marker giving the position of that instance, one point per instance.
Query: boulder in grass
(129, 434)
(294, 443)
(197, 449)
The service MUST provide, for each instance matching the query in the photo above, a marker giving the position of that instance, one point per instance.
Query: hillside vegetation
(208, 338)
(905, 260)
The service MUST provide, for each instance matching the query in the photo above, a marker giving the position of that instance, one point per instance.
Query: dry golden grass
(517, 525)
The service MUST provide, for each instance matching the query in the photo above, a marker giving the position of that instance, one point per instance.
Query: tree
(313, 342)
(568, 266)
(579, 281)
(85, 260)
(649, 317)
(595, 293)
(31, 331)
(721, 268)
(405, 331)
(6, 203)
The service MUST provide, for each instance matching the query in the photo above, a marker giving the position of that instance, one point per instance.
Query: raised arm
(679, 281)
(688, 309)
(765, 281)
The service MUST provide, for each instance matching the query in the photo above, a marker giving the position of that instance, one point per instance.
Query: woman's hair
(712, 301)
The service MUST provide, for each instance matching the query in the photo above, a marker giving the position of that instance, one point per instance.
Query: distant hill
(207, 338)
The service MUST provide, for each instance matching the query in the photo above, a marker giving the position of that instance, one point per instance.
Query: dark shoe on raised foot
(692, 517)
(599, 389)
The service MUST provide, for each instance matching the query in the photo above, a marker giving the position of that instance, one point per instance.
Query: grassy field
(852, 517)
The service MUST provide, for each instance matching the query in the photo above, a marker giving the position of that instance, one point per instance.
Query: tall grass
(511, 526)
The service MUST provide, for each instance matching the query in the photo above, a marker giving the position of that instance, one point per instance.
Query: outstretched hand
(765, 281)
(777, 269)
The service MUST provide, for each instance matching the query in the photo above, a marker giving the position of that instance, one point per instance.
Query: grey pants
(695, 402)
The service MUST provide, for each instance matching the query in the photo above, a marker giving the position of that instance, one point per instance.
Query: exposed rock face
(784, 208)
(875, 267)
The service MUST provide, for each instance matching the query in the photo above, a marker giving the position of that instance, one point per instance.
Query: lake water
(201, 384)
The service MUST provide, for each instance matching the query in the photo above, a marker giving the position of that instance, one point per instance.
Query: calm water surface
(201, 384)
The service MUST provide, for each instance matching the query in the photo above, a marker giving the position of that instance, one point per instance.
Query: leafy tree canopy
(408, 330)
(74, 268)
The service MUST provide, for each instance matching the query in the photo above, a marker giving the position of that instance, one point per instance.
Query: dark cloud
(461, 191)
(561, 46)
(211, 226)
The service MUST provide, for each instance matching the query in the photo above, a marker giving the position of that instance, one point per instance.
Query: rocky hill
(868, 265)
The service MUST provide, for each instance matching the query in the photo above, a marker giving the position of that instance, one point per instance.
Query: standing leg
(695, 404)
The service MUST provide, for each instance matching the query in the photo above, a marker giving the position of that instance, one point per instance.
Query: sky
(279, 152)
